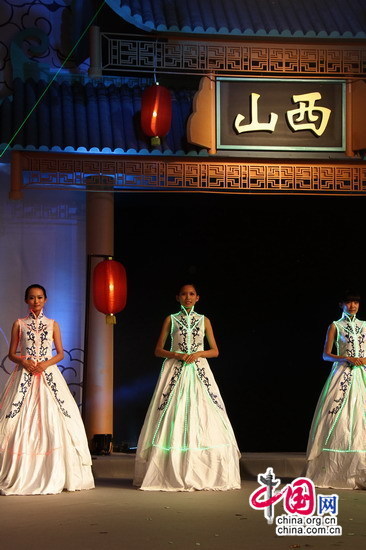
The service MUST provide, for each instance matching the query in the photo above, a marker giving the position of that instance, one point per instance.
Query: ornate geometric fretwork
(136, 173)
(124, 54)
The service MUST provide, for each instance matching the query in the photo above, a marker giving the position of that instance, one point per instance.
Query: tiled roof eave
(307, 19)
(96, 118)
(105, 150)
(261, 33)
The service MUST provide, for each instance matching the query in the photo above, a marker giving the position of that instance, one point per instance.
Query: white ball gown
(43, 445)
(187, 442)
(337, 444)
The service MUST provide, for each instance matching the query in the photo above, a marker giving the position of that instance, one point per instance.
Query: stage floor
(117, 516)
(285, 465)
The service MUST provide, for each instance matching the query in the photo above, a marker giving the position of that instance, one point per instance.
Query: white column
(98, 386)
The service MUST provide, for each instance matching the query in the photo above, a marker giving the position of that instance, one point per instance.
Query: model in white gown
(337, 444)
(187, 442)
(43, 446)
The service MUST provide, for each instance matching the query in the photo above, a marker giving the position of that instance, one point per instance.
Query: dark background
(270, 270)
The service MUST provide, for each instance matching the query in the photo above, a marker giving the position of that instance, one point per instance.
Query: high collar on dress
(186, 312)
(349, 318)
(34, 316)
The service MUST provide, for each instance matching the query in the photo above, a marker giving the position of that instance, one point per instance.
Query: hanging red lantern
(156, 112)
(109, 288)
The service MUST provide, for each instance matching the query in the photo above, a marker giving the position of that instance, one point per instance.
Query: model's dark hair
(350, 295)
(34, 286)
(188, 283)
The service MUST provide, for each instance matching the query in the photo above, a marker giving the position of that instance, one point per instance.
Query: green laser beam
(51, 81)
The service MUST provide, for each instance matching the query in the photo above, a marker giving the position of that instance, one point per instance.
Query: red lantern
(109, 288)
(156, 112)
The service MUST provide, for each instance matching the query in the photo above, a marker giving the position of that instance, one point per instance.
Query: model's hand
(40, 367)
(190, 357)
(356, 361)
(29, 365)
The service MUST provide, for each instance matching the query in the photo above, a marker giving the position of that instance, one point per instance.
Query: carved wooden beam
(123, 173)
(176, 55)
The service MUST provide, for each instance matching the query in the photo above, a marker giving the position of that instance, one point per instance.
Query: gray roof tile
(344, 19)
(88, 117)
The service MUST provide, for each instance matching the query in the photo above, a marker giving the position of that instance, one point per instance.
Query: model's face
(351, 308)
(187, 296)
(36, 299)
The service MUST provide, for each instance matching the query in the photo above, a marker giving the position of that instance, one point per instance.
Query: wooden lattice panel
(131, 173)
(123, 54)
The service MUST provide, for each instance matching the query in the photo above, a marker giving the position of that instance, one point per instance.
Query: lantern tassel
(155, 140)
(110, 319)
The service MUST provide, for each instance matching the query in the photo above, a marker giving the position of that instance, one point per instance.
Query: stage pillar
(98, 380)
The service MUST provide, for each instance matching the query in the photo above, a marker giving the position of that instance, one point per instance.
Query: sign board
(280, 114)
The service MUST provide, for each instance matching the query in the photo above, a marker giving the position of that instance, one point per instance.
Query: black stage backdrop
(269, 269)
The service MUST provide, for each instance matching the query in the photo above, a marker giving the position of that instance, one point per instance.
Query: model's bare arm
(160, 351)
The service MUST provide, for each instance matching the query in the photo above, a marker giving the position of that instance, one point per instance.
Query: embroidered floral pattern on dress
(42, 329)
(343, 387)
(189, 331)
(361, 341)
(174, 379)
(24, 387)
(36, 327)
(351, 351)
(183, 347)
(31, 338)
(202, 374)
(53, 386)
(195, 335)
